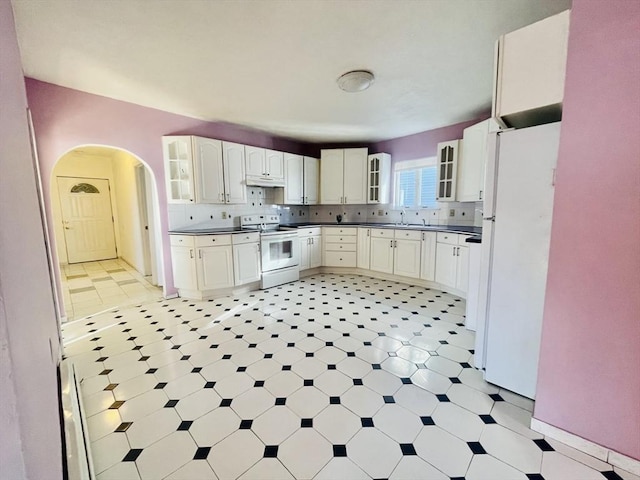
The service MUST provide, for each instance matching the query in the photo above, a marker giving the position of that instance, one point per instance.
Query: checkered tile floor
(331, 377)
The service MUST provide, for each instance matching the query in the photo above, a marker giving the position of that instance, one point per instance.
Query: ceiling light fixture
(355, 81)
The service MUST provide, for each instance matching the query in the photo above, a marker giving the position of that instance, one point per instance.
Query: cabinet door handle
(345, 199)
(480, 194)
(368, 232)
(199, 253)
(422, 235)
(454, 251)
(190, 253)
(228, 198)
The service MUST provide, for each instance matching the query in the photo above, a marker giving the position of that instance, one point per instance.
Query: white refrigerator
(516, 230)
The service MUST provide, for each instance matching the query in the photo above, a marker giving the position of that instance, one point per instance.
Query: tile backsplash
(260, 201)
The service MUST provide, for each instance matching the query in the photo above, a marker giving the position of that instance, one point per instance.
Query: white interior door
(87, 219)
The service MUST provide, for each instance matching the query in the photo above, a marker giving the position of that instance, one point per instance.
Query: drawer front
(450, 238)
(408, 234)
(213, 240)
(309, 232)
(182, 240)
(340, 230)
(240, 238)
(340, 259)
(341, 239)
(339, 247)
(382, 232)
(462, 240)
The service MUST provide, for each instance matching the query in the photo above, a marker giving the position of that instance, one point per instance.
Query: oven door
(279, 250)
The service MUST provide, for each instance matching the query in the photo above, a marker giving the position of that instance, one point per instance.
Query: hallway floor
(334, 377)
(93, 287)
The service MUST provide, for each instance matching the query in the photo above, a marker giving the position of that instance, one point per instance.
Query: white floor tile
(236, 454)
(414, 468)
(166, 456)
(374, 452)
(445, 452)
(511, 448)
(305, 453)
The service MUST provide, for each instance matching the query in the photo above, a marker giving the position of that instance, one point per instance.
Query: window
(415, 183)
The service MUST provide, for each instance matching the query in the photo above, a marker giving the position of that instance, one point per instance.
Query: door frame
(156, 239)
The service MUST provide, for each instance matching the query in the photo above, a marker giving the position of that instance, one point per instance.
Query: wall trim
(590, 448)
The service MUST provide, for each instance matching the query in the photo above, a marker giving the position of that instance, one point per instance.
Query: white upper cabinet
(310, 180)
(471, 163)
(209, 170)
(274, 165)
(234, 173)
(378, 178)
(343, 176)
(294, 179)
(447, 170)
(530, 68)
(264, 166)
(178, 164)
(331, 176)
(203, 170)
(301, 180)
(254, 161)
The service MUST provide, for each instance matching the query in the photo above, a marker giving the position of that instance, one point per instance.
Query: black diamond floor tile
(543, 445)
(476, 448)
(407, 449)
(132, 455)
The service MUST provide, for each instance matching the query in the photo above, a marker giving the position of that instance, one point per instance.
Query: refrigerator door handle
(493, 219)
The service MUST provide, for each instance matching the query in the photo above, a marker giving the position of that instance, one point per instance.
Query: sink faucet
(424, 222)
(402, 214)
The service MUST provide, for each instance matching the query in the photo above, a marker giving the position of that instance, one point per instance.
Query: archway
(106, 223)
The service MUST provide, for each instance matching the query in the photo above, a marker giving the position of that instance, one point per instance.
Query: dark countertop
(430, 228)
(206, 231)
(433, 228)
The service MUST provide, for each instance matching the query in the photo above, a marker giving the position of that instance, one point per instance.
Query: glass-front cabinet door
(447, 170)
(178, 159)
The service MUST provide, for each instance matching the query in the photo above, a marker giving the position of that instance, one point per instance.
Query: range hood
(264, 182)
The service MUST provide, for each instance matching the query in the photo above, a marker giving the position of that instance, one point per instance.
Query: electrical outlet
(380, 212)
(452, 212)
(224, 215)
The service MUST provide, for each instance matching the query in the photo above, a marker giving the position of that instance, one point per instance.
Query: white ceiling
(273, 64)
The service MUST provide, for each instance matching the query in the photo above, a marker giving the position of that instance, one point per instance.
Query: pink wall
(30, 440)
(65, 118)
(423, 144)
(589, 374)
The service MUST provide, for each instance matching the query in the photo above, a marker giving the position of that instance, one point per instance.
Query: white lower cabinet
(246, 258)
(396, 252)
(406, 256)
(452, 261)
(340, 246)
(381, 250)
(184, 266)
(310, 247)
(203, 263)
(428, 256)
(364, 248)
(214, 267)
(462, 269)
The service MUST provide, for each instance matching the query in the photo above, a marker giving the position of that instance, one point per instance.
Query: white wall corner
(586, 446)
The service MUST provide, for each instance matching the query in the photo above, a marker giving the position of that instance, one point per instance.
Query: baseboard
(586, 446)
